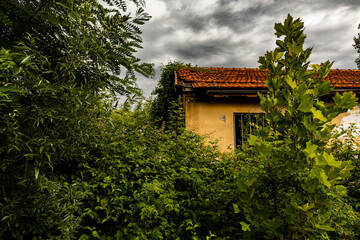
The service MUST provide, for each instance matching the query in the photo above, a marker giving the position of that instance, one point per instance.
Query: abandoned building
(223, 102)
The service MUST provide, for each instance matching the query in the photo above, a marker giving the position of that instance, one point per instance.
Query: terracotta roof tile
(254, 78)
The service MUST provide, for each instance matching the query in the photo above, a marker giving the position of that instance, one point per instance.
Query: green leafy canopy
(294, 194)
(62, 63)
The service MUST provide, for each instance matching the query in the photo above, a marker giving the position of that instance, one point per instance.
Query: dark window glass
(245, 123)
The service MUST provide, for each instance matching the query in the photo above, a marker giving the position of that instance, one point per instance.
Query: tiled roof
(250, 78)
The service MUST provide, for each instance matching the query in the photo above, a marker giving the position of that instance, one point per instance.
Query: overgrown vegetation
(153, 183)
(55, 66)
(73, 167)
(165, 92)
(293, 188)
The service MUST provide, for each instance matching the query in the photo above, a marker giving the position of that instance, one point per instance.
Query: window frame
(241, 115)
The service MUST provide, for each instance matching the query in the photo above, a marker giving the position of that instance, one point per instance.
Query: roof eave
(355, 90)
(236, 91)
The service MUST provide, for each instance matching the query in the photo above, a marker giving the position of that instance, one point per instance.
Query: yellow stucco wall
(215, 116)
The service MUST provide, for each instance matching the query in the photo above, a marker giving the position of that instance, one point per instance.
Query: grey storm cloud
(234, 33)
(198, 50)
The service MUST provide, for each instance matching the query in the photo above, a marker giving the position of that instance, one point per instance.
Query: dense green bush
(141, 181)
(137, 181)
(155, 183)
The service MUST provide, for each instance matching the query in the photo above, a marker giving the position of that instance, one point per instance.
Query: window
(245, 123)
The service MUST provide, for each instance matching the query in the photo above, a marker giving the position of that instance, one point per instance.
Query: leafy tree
(293, 189)
(100, 40)
(357, 47)
(165, 92)
(59, 64)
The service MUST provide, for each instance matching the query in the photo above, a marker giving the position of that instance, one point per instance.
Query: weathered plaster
(345, 120)
(215, 116)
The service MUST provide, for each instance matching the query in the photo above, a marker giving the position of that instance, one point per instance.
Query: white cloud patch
(202, 7)
(157, 9)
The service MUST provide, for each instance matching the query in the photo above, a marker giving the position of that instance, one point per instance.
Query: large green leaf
(318, 114)
(245, 227)
(331, 161)
(292, 83)
(324, 227)
(306, 104)
(347, 100)
(320, 174)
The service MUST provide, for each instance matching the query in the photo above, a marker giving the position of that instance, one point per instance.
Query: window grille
(245, 124)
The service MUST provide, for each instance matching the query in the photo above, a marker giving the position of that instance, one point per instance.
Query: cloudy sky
(234, 33)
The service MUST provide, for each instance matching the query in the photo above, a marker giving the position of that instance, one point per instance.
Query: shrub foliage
(165, 92)
(74, 168)
(294, 182)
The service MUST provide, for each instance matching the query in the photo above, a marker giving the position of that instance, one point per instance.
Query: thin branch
(42, 4)
(3, 189)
